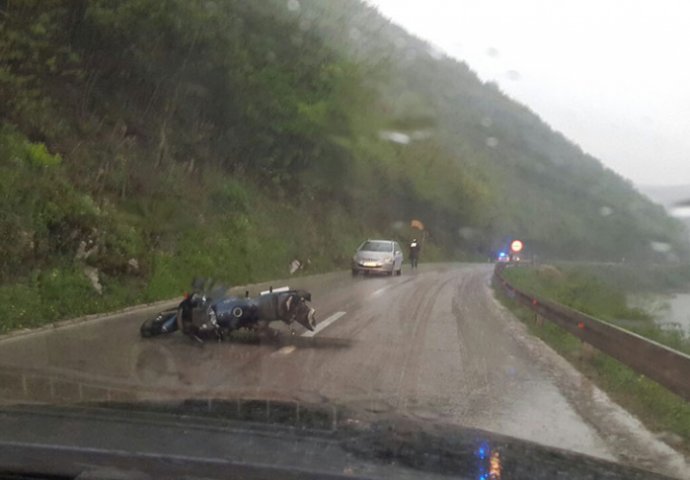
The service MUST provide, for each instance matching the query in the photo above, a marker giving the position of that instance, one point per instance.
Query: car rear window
(370, 246)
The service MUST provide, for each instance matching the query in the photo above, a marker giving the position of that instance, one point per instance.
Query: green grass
(638, 277)
(659, 409)
(58, 293)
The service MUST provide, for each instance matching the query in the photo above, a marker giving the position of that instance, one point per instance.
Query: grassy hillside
(144, 142)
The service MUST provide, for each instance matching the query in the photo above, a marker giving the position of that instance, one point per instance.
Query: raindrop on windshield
(467, 232)
(661, 247)
(605, 211)
(395, 137)
(293, 5)
(513, 75)
(491, 142)
(421, 134)
(492, 52)
(297, 40)
(304, 24)
(409, 56)
(487, 122)
(681, 211)
(435, 53)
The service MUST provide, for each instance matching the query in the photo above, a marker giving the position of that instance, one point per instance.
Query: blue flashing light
(483, 451)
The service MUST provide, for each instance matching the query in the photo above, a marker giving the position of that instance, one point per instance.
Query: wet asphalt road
(433, 343)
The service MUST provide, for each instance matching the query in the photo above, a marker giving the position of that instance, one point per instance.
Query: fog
(612, 76)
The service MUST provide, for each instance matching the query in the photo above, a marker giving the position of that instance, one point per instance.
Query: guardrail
(662, 364)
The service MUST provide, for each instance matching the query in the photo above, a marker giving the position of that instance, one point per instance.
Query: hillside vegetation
(144, 142)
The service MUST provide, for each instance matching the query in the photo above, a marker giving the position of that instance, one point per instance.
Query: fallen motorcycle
(217, 314)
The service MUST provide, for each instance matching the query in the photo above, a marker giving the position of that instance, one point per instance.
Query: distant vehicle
(507, 258)
(378, 256)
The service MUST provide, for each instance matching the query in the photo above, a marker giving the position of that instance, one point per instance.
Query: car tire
(399, 272)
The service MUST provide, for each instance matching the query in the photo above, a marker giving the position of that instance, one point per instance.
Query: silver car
(379, 256)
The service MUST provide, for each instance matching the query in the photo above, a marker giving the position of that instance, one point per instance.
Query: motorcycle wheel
(147, 328)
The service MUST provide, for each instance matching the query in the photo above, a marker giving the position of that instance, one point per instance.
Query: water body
(670, 312)
(676, 313)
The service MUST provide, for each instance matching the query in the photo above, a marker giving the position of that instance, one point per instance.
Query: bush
(66, 292)
(20, 307)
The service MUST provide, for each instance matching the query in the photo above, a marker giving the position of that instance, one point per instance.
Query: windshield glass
(187, 190)
(373, 246)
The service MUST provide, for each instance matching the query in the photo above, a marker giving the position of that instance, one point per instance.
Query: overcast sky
(613, 76)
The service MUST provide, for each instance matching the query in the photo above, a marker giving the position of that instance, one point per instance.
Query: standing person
(415, 248)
